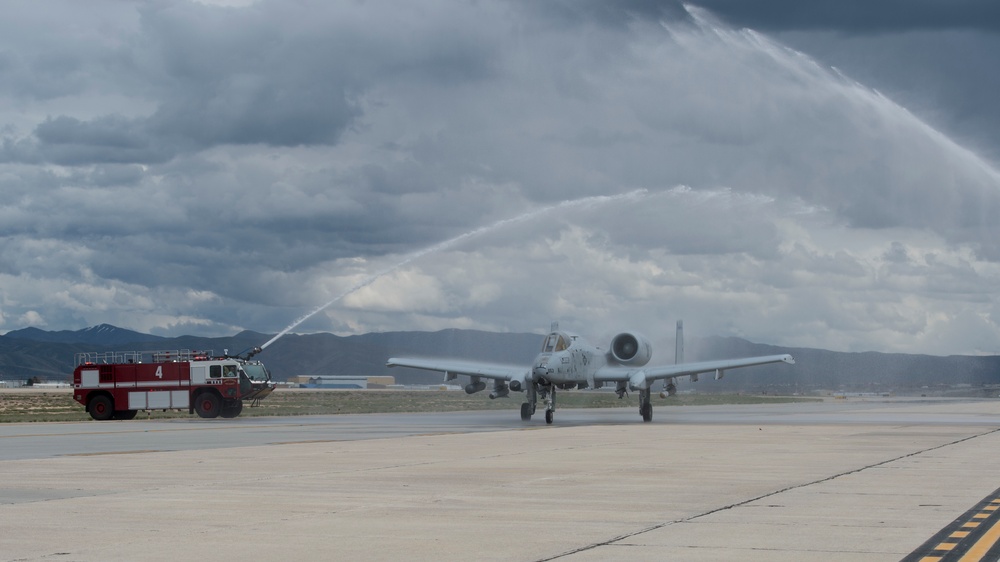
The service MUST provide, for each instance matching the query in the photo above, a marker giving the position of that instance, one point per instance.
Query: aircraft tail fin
(679, 348)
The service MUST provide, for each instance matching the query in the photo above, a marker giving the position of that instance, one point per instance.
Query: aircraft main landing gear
(528, 407)
(645, 406)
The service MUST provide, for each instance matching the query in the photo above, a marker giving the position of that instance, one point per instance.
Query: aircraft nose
(541, 370)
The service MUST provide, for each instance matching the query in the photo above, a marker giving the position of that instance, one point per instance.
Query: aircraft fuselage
(577, 363)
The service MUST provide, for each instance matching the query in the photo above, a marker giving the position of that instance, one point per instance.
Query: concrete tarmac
(839, 480)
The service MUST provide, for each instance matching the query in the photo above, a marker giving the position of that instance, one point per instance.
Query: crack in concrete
(651, 528)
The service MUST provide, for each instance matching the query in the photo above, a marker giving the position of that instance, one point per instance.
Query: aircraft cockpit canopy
(555, 342)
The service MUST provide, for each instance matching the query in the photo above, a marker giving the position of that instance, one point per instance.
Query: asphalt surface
(839, 480)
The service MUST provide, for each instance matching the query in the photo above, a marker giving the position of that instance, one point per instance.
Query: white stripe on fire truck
(137, 385)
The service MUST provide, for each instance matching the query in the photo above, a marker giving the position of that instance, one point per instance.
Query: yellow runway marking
(983, 545)
(973, 537)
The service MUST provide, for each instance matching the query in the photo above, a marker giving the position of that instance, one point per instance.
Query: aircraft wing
(459, 367)
(650, 374)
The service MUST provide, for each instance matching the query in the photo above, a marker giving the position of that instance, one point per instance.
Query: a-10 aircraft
(567, 361)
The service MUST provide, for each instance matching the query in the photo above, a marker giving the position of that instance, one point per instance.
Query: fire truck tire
(101, 407)
(125, 414)
(208, 404)
(232, 408)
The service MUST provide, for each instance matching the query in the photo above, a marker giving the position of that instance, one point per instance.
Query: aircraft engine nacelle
(518, 383)
(630, 349)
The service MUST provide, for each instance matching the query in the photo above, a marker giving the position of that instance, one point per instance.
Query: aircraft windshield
(256, 372)
(555, 342)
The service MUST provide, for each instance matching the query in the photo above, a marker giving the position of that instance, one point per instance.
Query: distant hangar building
(342, 382)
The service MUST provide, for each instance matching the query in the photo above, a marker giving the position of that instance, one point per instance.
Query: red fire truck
(117, 384)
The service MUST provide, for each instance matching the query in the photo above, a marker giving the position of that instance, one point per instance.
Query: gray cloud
(107, 140)
(212, 169)
(859, 16)
(268, 74)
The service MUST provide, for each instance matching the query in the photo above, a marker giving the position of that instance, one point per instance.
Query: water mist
(583, 202)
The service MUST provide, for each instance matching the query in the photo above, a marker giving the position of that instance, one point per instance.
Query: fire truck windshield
(256, 372)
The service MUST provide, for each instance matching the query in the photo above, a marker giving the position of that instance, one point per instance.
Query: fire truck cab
(116, 385)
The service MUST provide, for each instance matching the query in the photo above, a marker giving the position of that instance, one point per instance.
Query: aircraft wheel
(647, 412)
(548, 416)
(526, 410)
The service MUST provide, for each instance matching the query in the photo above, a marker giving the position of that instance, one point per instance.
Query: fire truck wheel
(125, 414)
(232, 408)
(101, 408)
(208, 404)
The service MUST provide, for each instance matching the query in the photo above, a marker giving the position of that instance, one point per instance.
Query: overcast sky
(818, 174)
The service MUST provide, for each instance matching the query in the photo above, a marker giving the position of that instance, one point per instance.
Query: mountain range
(49, 355)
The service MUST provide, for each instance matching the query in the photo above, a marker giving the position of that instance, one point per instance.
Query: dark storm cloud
(111, 139)
(848, 16)
(616, 14)
(234, 77)
(858, 16)
(270, 74)
(289, 75)
(208, 168)
(113, 174)
(47, 76)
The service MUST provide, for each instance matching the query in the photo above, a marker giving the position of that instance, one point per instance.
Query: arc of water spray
(585, 201)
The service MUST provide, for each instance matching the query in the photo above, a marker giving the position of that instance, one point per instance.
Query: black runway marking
(973, 537)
